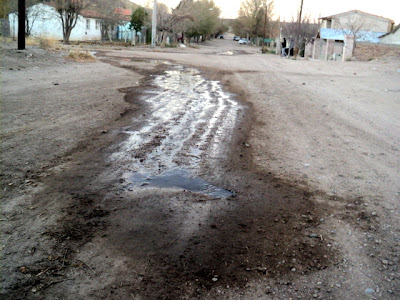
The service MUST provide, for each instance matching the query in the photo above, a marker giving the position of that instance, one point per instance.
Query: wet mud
(170, 191)
(250, 225)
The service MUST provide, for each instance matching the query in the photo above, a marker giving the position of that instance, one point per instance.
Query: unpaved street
(206, 172)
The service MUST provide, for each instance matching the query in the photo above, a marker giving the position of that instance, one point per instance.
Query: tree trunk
(133, 37)
(67, 35)
(164, 38)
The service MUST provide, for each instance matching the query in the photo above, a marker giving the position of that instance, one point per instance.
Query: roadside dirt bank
(81, 232)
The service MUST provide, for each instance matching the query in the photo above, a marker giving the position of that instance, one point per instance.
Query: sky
(287, 9)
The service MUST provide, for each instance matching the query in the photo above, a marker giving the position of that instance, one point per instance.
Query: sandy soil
(312, 159)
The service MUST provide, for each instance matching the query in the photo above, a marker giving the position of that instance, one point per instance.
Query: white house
(356, 19)
(45, 21)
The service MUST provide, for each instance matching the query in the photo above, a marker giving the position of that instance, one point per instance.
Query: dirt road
(212, 172)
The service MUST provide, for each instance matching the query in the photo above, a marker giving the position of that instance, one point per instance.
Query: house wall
(47, 23)
(367, 51)
(308, 51)
(369, 23)
(123, 32)
(321, 52)
(393, 38)
(319, 49)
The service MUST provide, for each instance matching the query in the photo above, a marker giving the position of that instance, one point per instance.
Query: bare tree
(182, 17)
(353, 26)
(109, 17)
(68, 12)
(255, 18)
(298, 34)
(163, 21)
(32, 12)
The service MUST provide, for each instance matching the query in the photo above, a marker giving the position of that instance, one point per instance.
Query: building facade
(357, 20)
(44, 21)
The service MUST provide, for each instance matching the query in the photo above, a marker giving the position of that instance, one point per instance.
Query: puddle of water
(189, 122)
(226, 53)
(151, 61)
(178, 179)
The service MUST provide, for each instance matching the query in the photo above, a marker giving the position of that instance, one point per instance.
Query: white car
(243, 42)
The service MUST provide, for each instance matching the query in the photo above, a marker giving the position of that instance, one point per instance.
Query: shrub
(43, 42)
(48, 42)
(31, 41)
(81, 56)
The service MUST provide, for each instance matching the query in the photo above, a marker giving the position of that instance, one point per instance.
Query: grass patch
(48, 42)
(171, 45)
(43, 42)
(5, 39)
(81, 56)
(31, 41)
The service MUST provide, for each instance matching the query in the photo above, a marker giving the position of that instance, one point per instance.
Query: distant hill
(117, 3)
(127, 4)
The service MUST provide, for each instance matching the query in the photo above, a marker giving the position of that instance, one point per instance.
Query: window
(97, 24)
(87, 24)
(328, 23)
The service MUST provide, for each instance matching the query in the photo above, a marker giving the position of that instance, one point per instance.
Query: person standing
(283, 44)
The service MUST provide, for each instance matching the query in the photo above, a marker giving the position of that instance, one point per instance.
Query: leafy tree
(139, 18)
(221, 27)
(202, 18)
(4, 8)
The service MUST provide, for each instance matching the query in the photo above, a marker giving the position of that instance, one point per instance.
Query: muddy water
(191, 119)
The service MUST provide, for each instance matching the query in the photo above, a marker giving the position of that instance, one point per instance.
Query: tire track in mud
(188, 121)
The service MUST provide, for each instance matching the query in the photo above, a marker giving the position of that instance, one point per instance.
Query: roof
(392, 32)
(338, 34)
(90, 14)
(122, 13)
(354, 11)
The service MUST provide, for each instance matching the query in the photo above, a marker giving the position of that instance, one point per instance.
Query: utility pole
(21, 24)
(265, 25)
(154, 25)
(300, 12)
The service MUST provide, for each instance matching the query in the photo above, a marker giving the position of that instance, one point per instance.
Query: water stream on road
(190, 121)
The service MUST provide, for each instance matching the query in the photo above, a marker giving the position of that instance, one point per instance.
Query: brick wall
(366, 51)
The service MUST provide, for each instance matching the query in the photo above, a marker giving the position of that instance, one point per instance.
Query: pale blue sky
(288, 8)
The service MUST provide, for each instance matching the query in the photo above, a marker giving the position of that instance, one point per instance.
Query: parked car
(243, 42)
(221, 37)
(236, 38)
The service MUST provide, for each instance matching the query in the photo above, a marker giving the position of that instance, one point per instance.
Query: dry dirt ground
(301, 160)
